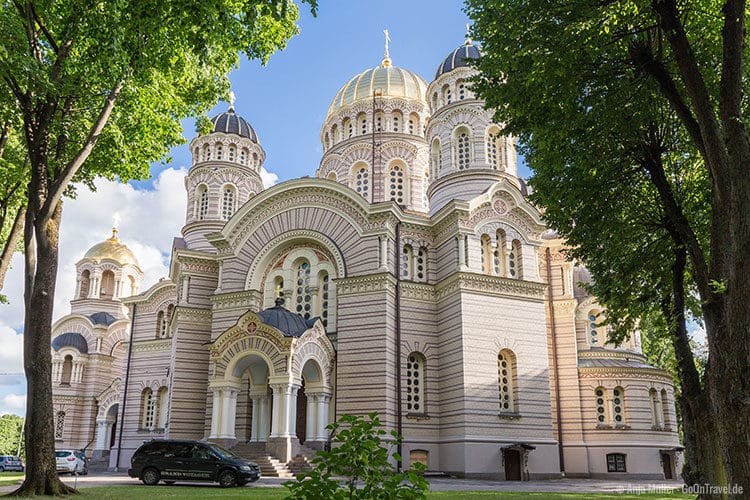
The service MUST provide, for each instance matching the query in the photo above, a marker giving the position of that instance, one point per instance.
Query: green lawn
(10, 478)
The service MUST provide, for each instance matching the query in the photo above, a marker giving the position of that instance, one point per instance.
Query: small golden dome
(385, 81)
(112, 249)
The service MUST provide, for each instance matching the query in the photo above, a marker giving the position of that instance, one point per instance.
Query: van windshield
(223, 452)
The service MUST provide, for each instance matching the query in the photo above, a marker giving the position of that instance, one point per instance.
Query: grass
(10, 478)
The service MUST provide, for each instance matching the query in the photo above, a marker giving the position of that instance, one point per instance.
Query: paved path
(436, 484)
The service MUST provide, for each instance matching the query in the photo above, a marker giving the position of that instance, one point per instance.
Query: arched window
(85, 283)
(493, 148)
(463, 148)
(447, 96)
(618, 405)
(324, 283)
(67, 370)
(413, 123)
(256, 161)
(133, 286)
(461, 90)
(327, 140)
(665, 409)
(59, 424)
(514, 260)
(107, 287)
(616, 462)
(302, 293)
(278, 286)
(396, 121)
(335, 134)
(415, 400)
(348, 128)
(601, 412)
(148, 406)
(506, 376)
(379, 121)
(592, 329)
(407, 256)
(231, 153)
(498, 256)
(201, 197)
(361, 179)
(397, 183)
(486, 252)
(362, 123)
(227, 202)
(420, 265)
(435, 157)
(162, 406)
(243, 156)
(207, 152)
(219, 152)
(434, 101)
(161, 326)
(655, 414)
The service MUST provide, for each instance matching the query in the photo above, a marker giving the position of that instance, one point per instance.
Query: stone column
(323, 403)
(290, 411)
(659, 411)
(383, 253)
(311, 431)
(216, 414)
(228, 412)
(102, 426)
(78, 288)
(276, 413)
(461, 240)
(254, 427)
(116, 293)
(263, 422)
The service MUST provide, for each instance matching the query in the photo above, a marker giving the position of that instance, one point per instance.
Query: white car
(72, 461)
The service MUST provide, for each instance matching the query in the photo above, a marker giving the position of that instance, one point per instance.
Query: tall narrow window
(327, 140)
(435, 157)
(227, 203)
(278, 287)
(415, 383)
(67, 370)
(514, 260)
(256, 160)
(323, 287)
(413, 123)
(362, 124)
(447, 96)
(107, 286)
(434, 102)
(601, 413)
(406, 262)
(207, 152)
(397, 183)
(487, 254)
(618, 405)
(665, 409)
(161, 325)
(335, 134)
(219, 152)
(243, 156)
(148, 405)
(161, 408)
(420, 264)
(396, 119)
(463, 149)
(231, 153)
(202, 200)
(461, 90)
(348, 128)
(654, 408)
(592, 328)
(85, 282)
(303, 299)
(506, 380)
(498, 257)
(493, 152)
(59, 424)
(362, 180)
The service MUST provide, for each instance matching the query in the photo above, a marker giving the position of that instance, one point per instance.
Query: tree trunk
(41, 272)
(10, 246)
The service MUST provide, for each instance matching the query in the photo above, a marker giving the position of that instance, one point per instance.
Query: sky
(285, 101)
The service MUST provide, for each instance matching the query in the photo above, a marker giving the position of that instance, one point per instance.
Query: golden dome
(385, 81)
(112, 249)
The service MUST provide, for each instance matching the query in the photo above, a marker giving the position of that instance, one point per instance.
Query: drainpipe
(125, 389)
(554, 360)
(399, 412)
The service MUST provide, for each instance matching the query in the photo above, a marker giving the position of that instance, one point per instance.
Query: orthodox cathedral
(410, 277)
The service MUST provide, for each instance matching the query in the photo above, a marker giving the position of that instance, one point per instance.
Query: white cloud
(11, 355)
(268, 178)
(13, 403)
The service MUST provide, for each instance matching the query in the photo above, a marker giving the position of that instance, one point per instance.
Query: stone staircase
(270, 466)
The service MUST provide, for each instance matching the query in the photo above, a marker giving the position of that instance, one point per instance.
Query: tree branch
(42, 27)
(60, 184)
(730, 90)
(11, 244)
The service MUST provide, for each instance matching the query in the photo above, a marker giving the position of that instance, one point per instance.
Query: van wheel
(150, 477)
(227, 479)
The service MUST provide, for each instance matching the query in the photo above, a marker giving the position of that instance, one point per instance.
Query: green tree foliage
(98, 89)
(359, 465)
(10, 434)
(632, 117)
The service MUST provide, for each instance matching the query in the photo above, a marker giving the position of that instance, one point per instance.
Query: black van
(177, 460)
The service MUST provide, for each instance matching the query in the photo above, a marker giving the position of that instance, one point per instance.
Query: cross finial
(231, 100)
(386, 55)
(468, 34)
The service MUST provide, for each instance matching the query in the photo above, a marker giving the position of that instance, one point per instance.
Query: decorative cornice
(246, 299)
(192, 262)
(369, 283)
(612, 354)
(152, 345)
(617, 373)
(490, 285)
(418, 291)
(193, 315)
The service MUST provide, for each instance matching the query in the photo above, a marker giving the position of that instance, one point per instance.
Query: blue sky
(285, 101)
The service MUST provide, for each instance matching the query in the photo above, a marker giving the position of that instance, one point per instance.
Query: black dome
(102, 318)
(231, 123)
(71, 339)
(288, 323)
(458, 58)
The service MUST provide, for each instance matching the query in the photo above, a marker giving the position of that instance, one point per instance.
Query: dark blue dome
(288, 323)
(102, 318)
(71, 339)
(231, 123)
(458, 58)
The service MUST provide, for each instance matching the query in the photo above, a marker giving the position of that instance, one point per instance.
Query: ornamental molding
(152, 345)
(418, 291)
(455, 114)
(513, 215)
(193, 263)
(426, 349)
(152, 299)
(447, 227)
(109, 397)
(360, 285)
(193, 315)
(565, 306)
(246, 299)
(490, 285)
(606, 372)
(612, 354)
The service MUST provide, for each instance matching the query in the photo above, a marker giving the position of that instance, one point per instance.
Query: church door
(302, 415)
(666, 461)
(512, 460)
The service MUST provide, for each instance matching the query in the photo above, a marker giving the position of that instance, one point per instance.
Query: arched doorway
(112, 417)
